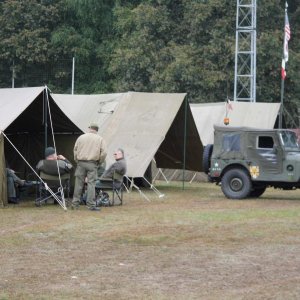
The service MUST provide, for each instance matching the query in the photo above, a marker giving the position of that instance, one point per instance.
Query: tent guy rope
(61, 203)
(54, 145)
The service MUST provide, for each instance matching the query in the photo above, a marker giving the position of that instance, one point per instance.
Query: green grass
(191, 244)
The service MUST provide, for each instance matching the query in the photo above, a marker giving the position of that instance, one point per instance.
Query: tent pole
(158, 171)
(138, 189)
(184, 141)
(160, 195)
(163, 175)
(45, 119)
(73, 74)
(173, 175)
(193, 177)
(13, 75)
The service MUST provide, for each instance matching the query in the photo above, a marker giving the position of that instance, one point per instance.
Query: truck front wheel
(236, 184)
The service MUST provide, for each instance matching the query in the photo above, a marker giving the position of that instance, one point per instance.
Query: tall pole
(184, 141)
(284, 60)
(45, 113)
(13, 75)
(73, 74)
(281, 104)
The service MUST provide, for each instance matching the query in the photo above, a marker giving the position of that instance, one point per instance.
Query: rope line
(61, 203)
(54, 145)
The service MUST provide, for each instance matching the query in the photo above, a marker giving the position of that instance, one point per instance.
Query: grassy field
(191, 244)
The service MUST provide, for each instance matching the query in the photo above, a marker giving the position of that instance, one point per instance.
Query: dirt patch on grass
(191, 244)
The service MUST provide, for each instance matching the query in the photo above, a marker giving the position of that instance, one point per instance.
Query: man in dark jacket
(61, 162)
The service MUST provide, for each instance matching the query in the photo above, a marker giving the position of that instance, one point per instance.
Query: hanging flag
(287, 36)
(229, 104)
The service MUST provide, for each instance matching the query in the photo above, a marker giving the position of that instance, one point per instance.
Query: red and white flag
(287, 36)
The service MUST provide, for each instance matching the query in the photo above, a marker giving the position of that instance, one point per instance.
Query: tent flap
(181, 149)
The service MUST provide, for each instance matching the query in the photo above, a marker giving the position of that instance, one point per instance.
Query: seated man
(54, 165)
(116, 171)
(113, 175)
(14, 183)
(49, 168)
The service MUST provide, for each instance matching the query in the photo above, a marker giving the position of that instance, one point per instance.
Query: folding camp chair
(115, 185)
(52, 181)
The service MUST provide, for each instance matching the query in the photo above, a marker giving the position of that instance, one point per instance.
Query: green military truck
(245, 161)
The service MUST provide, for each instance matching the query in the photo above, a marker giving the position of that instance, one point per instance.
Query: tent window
(231, 142)
(265, 142)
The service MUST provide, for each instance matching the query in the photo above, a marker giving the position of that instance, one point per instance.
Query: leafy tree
(269, 55)
(25, 32)
(86, 28)
(174, 46)
(145, 45)
(188, 46)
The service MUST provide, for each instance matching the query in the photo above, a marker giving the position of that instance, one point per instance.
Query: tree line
(145, 46)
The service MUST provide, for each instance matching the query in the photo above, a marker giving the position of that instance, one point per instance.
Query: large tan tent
(84, 109)
(253, 114)
(145, 125)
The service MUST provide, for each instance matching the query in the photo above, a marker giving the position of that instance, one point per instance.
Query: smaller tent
(25, 120)
(242, 114)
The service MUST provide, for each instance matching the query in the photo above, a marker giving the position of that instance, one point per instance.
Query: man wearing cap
(89, 153)
(63, 164)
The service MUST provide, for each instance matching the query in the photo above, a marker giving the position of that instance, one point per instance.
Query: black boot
(13, 200)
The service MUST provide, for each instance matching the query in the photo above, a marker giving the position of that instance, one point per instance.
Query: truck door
(267, 153)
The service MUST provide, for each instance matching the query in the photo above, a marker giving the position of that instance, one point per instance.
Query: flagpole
(283, 72)
(281, 104)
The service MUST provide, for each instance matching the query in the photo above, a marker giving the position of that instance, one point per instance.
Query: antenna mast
(245, 52)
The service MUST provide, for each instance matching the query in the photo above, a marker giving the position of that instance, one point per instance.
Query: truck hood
(293, 156)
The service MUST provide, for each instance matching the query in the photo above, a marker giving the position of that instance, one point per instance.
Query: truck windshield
(289, 140)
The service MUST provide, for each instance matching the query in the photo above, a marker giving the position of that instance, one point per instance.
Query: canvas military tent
(242, 114)
(145, 125)
(26, 121)
(84, 109)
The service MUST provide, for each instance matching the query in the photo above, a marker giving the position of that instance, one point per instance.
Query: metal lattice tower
(245, 52)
